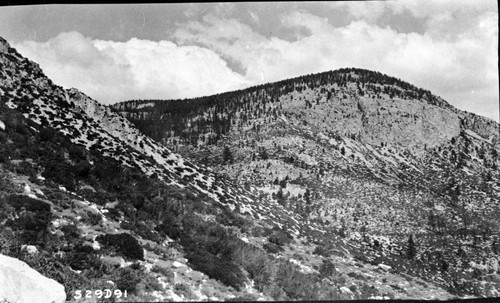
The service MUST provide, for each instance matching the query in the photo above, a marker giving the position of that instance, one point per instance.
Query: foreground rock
(20, 283)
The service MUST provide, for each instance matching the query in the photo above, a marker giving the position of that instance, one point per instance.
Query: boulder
(20, 283)
(30, 249)
(177, 264)
(384, 267)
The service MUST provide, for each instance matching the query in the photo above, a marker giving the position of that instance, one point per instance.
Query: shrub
(93, 218)
(327, 269)
(280, 237)
(226, 272)
(32, 226)
(166, 272)
(257, 263)
(184, 289)
(30, 204)
(46, 134)
(355, 275)
(144, 230)
(272, 248)
(297, 285)
(81, 258)
(149, 284)
(368, 291)
(124, 243)
(128, 279)
(321, 250)
(247, 297)
(70, 231)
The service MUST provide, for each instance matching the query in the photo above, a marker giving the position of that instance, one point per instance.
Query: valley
(342, 185)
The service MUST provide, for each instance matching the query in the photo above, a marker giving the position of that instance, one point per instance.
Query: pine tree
(263, 154)
(280, 197)
(412, 250)
(227, 155)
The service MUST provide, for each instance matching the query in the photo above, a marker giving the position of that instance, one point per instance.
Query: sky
(168, 51)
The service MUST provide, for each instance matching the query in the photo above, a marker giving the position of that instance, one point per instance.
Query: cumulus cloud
(460, 67)
(216, 48)
(115, 71)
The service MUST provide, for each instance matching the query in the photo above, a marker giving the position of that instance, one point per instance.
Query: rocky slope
(99, 206)
(368, 156)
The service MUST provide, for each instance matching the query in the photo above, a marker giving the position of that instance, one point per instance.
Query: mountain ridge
(364, 159)
(294, 191)
(440, 113)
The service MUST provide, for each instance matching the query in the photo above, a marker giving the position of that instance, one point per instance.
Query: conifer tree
(227, 155)
(412, 250)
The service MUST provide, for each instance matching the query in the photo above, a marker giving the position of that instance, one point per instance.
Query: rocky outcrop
(4, 46)
(20, 283)
(486, 128)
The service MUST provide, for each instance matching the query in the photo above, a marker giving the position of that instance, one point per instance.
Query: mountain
(90, 202)
(241, 196)
(73, 169)
(368, 156)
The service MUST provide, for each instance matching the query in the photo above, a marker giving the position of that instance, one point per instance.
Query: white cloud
(366, 10)
(455, 57)
(447, 67)
(115, 71)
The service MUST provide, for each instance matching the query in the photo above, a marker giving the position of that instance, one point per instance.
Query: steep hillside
(368, 156)
(87, 200)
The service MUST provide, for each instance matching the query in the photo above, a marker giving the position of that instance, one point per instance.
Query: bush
(128, 279)
(257, 263)
(327, 269)
(30, 204)
(166, 272)
(32, 226)
(124, 243)
(226, 272)
(46, 134)
(83, 258)
(321, 250)
(71, 231)
(184, 289)
(297, 285)
(280, 237)
(144, 230)
(368, 291)
(272, 248)
(149, 284)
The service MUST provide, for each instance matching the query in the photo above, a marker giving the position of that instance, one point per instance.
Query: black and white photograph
(249, 151)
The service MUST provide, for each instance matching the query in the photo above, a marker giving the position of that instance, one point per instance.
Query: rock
(111, 204)
(182, 260)
(176, 264)
(170, 295)
(20, 283)
(30, 249)
(4, 46)
(384, 267)
(113, 261)
(196, 276)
